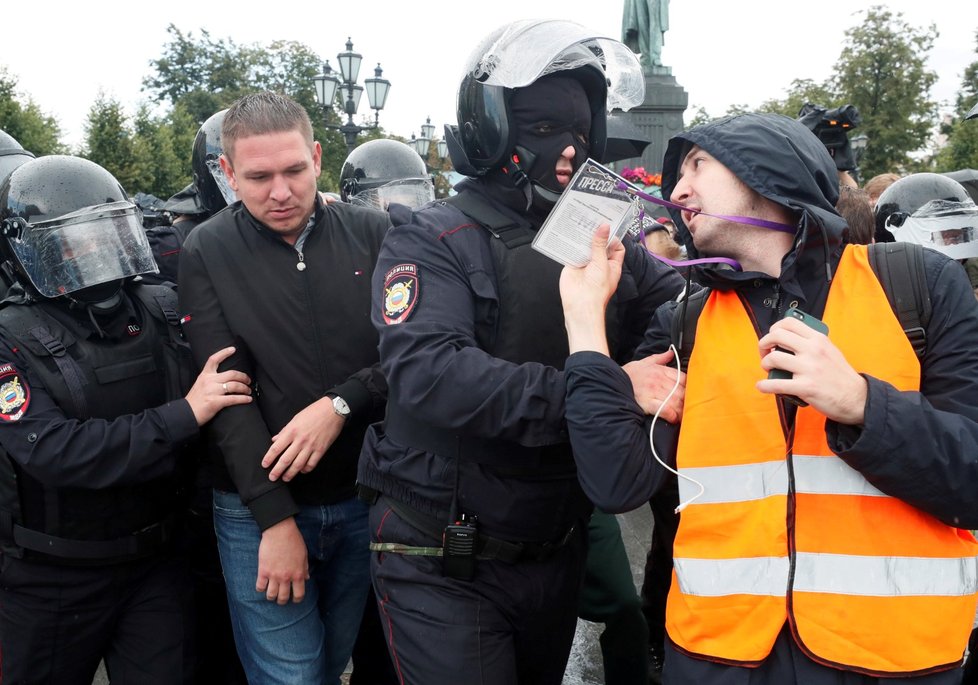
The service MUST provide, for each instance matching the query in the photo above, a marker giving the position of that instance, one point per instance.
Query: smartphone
(814, 324)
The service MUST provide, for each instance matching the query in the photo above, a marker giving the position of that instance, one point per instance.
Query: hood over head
(780, 159)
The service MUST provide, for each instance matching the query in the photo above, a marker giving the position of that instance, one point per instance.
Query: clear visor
(530, 49)
(412, 193)
(91, 246)
(943, 225)
(223, 185)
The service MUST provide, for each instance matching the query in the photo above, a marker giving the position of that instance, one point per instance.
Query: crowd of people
(288, 428)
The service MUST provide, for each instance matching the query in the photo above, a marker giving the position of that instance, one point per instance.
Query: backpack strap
(683, 333)
(900, 270)
(513, 233)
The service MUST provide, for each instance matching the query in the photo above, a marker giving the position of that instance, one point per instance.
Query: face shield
(84, 248)
(528, 50)
(947, 226)
(410, 192)
(223, 185)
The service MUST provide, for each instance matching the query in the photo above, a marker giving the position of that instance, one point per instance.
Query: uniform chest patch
(15, 394)
(401, 291)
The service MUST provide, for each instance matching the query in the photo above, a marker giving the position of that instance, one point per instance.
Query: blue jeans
(309, 642)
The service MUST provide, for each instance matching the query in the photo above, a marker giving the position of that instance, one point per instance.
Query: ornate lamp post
(858, 145)
(327, 85)
(422, 145)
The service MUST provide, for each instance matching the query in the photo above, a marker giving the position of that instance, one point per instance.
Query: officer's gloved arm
(240, 431)
(94, 453)
(922, 447)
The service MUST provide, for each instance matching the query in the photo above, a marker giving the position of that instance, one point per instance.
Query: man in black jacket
(288, 280)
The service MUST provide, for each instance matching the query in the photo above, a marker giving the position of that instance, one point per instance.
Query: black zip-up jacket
(300, 333)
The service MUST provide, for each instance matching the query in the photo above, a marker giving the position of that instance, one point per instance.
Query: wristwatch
(340, 406)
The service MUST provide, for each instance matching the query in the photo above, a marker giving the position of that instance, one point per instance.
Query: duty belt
(141, 542)
(486, 548)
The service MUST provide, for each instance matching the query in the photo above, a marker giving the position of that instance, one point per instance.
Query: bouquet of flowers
(639, 175)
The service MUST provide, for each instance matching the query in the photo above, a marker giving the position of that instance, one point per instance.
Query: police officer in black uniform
(97, 415)
(12, 154)
(479, 524)
(383, 171)
(206, 195)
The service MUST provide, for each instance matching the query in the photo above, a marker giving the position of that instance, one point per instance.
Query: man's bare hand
(821, 376)
(283, 563)
(214, 390)
(302, 443)
(652, 379)
(585, 292)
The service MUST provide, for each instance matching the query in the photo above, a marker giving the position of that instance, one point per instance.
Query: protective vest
(787, 531)
(93, 378)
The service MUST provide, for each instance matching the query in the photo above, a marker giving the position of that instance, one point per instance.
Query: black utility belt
(140, 543)
(462, 538)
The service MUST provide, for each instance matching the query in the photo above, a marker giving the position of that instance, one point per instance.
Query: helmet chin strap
(538, 196)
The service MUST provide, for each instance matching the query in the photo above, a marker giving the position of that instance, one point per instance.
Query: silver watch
(341, 407)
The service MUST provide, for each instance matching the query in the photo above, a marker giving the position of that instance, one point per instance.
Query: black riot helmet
(214, 193)
(12, 154)
(67, 228)
(515, 56)
(383, 171)
(931, 210)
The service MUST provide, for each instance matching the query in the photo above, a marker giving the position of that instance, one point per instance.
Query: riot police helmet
(12, 154)
(518, 55)
(380, 172)
(214, 193)
(931, 210)
(67, 228)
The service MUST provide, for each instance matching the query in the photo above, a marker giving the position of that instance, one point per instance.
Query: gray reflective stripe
(845, 574)
(719, 577)
(746, 482)
(741, 483)
(830, 476)
(837, 574)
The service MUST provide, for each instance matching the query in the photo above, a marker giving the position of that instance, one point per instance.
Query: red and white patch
(401, 291)
(15, 394)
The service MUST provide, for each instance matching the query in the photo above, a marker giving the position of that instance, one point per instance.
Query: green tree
(21, 118)
(961, 150)
(109, 142)
(802, 91)
(882, 71)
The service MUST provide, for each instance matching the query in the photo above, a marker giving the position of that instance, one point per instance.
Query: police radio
(458, 544)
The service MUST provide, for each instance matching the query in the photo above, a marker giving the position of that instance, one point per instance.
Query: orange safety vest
(787, 531)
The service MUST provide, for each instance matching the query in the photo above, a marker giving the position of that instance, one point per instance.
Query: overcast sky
(722, 53)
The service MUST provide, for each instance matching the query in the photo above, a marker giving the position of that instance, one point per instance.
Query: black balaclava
(547, 116)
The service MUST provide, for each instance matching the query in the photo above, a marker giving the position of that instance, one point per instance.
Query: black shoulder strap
(161, 301)
(900, 270)
(513, 233)
(683, 333)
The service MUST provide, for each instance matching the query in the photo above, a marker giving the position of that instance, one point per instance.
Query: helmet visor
(947, 226)
(223, 185)
(528, 50)
(84, 248)
(413, 193)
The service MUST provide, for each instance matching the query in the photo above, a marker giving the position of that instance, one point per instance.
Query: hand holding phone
(814, 324)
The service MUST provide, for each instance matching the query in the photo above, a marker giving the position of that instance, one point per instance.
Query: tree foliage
(961, 150)
(21, 118)
(882, 71)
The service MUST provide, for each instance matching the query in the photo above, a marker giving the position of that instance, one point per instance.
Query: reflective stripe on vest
(790, 532)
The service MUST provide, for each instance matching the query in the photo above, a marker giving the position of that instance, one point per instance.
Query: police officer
(12, 154)
(474, 450)
(95, 432)
(208, 194)
(380, 172)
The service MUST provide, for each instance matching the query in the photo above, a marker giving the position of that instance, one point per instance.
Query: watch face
(340, 406)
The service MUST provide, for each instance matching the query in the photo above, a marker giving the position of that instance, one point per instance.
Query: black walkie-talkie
(459, 542)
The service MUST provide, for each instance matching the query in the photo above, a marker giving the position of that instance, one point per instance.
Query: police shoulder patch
(401, 291)
(15, 394)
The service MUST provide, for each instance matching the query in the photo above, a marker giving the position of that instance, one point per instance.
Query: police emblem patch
(15, 395)
(401, 291)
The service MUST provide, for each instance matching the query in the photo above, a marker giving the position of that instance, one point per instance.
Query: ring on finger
(225, 386)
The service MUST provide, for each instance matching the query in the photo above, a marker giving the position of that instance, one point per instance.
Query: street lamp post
(327, 85)
(422, 145)
(858, 145)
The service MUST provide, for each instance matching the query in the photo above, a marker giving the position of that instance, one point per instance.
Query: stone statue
(643, 27)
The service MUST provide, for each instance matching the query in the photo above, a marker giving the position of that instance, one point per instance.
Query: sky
(722, 53)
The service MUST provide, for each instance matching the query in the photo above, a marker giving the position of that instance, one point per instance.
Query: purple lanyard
(763, 223)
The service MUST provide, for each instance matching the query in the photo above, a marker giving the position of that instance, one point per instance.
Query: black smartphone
(814, 324)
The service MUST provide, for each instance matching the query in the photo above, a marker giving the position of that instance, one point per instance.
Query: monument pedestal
(659, 118)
